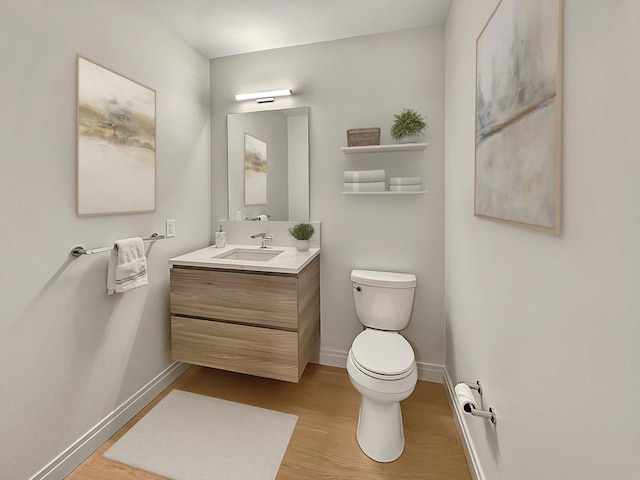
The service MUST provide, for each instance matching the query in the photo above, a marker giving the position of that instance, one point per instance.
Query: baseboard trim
(427, 372)
(459, 418)
(430, 372)
(333, 358)
(78, 452)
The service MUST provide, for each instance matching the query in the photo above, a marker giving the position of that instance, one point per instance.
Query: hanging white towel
(364, 176)
(127, 266)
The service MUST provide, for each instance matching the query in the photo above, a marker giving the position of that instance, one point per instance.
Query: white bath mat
(194, 437)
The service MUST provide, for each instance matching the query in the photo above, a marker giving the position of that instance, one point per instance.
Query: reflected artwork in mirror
(255, 171)
(283, 193)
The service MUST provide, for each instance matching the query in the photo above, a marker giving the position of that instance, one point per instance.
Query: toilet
(381, 363)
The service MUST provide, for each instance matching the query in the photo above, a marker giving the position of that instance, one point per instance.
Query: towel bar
(78, 251)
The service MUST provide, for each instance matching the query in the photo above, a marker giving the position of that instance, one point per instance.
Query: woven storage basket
(361, 137)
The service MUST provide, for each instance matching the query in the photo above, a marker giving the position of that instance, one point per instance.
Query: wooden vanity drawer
(240, 348)
(269, 300)
(264, 324)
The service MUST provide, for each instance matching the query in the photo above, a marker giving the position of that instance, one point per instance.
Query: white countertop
(289, 261)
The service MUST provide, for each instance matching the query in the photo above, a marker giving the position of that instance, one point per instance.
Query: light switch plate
(170, 230)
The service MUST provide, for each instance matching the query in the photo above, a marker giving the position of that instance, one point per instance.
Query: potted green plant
(302, 232)
(407, 125)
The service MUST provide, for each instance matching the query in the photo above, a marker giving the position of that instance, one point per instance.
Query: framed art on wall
(255, 171)
(116, 134)
(518, 134)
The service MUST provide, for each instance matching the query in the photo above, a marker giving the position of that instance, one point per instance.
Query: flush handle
(359, 289)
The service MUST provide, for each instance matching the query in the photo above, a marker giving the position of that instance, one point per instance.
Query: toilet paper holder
(475, 386)
(471, 408)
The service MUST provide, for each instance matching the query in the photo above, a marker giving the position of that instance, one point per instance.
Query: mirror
(268, 165)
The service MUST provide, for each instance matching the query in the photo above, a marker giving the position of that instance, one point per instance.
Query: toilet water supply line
(467, 402)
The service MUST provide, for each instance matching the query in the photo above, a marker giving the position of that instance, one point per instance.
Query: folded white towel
(405, 181)
(405, 188)
(364, 176)
(363, 187)
(127, 266)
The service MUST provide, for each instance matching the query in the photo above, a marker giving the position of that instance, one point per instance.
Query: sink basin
(253, 255)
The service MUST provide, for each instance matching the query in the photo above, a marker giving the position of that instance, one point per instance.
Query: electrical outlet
(170, 228)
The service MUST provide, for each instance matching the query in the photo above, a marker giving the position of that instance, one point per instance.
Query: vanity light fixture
(263, 97)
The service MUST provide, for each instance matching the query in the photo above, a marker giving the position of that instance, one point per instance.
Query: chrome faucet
(264, 237)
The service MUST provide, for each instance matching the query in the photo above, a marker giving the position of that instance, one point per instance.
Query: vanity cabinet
(259, 323)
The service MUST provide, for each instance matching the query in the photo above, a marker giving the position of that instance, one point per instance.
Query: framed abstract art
(518, 121)
(116, 150)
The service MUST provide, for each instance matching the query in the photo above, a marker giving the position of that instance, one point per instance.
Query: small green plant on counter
(407, 123)
(302, 231)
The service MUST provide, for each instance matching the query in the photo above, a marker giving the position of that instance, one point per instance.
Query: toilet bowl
(380, 431)
(381, 363)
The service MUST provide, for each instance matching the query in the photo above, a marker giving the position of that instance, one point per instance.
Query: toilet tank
(383, 299)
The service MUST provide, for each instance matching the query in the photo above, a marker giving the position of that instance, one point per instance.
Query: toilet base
(380, 431)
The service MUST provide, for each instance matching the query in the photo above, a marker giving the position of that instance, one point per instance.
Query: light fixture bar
(260, 95)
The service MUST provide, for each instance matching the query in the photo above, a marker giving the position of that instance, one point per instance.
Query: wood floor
(323, 444)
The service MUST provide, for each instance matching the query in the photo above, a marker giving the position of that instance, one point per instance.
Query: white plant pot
(302, 245)
(409, 139)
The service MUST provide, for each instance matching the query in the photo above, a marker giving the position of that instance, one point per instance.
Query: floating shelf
(386, 192)
(396, 147)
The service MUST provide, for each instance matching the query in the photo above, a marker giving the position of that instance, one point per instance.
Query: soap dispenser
(221, 238)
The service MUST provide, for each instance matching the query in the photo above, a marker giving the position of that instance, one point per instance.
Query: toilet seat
(383, 355)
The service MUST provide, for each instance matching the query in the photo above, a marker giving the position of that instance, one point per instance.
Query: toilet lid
(383, 353)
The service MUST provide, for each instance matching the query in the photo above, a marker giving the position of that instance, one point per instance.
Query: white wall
(358, 82)
(550, 324)
(69, 354)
